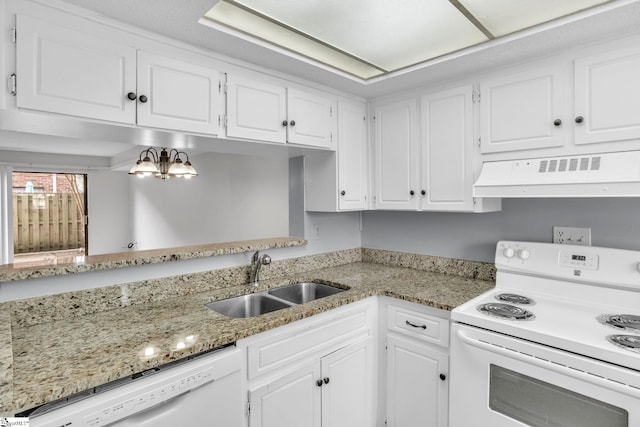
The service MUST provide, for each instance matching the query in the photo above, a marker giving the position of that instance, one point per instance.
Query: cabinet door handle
(326, 380)
(143, 99)
(557, 122)
(284, 123)
(412, 192)
(132, 96)
(342, 193)
(443, 377)
(423, 192)
(413, 325)
(579, 119)
(292, 122)
(319, 383)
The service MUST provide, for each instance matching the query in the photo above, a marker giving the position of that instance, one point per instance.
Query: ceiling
(179, 20)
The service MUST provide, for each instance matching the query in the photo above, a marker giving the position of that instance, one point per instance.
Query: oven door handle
(551, 366)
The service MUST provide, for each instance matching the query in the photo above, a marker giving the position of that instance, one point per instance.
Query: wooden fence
(47, 222)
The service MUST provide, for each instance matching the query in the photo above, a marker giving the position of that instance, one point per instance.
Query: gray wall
(614, 223)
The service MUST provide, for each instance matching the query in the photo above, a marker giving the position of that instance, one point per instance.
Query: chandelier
(167, 164)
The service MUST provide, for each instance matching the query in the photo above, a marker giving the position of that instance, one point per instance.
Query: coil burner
(627, 322)
(630, 342)
(505, 311)
(515, 299)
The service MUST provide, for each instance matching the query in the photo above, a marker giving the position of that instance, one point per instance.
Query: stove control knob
(523, 254)
(508, 252)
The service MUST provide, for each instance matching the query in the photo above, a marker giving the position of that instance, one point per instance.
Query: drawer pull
(413, 325)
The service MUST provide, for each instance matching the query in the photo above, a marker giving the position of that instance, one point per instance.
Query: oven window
(540, 404)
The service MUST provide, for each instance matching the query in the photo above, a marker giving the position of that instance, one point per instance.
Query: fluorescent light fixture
(371, 38)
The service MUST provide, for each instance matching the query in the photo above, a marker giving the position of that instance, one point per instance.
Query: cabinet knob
(423, 192)
(443, 377)
(292, 122)
(284, 123)
(132, 96)
(326, 380)
(557, 122)
(412, 192)
(143, 99)
(319, 383)
(342, 193)
(579, 119)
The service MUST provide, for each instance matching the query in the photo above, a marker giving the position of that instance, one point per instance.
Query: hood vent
(588, 175)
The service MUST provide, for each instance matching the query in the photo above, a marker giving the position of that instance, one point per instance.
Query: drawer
(419, 325)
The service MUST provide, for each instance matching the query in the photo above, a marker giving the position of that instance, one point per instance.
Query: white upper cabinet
(311, 118)
(425, 156)
(180, 95)
(339, 181)
(396, 155)
(447, 150)
(61, 70)
(607, 96)
(64, 71)
(256, 110)
(269, 112)
(524, 111)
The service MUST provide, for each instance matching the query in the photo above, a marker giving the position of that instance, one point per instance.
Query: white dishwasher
(201, 391)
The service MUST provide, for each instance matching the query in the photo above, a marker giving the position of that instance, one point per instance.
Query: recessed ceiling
(372, 38)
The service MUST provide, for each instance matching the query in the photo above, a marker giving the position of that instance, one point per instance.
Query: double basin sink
(255, 304)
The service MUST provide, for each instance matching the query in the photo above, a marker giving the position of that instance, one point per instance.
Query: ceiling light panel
(389, 34)
(503, 17)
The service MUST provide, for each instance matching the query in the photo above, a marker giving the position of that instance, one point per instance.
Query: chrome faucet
(257, 262)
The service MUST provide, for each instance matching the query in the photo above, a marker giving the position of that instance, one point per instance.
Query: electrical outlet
(572, 235)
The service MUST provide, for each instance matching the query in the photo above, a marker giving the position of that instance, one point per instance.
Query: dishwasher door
(210, 405)
(204, 391)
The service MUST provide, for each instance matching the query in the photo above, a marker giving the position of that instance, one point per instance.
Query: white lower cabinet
(316, 372)
(417, 364)
(334, 391)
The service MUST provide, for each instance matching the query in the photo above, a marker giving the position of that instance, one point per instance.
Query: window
(49, 217)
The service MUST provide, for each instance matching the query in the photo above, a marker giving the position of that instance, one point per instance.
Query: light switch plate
(572, 235)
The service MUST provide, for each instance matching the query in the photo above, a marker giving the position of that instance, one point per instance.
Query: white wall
(233, 198)
(614, 223)
(109, 212)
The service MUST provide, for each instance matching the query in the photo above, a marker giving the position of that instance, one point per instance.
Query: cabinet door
(311, 118)
(352, 156)
(292, 400)
(61, 70)
(256, 110)
(447, 150)
(396, 156)
(346, 391)
(416, 396)
(607, 96)
(180, 95)
(518, 112)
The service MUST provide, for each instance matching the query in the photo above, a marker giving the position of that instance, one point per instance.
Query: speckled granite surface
(10, 272)
(95, 338)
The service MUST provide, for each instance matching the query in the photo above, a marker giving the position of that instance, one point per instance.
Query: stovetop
(570, 291)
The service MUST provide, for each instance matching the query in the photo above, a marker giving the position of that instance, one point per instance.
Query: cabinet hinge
(475, 96)
(475, 201)
(331, 136)
(330, 111)
(86, 220)
(225, 120)
(13, 85)
(14, 35)
(479, 142)
(248, 408)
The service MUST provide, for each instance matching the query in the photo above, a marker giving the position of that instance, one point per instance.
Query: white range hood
(585, 175)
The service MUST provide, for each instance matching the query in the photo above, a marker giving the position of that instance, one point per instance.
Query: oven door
(501, 381)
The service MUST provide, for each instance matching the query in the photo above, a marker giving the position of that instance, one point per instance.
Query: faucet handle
(255, 257)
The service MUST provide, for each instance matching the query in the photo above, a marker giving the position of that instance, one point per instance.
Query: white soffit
(371, 38)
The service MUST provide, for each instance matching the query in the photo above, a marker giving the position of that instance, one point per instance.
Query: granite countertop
(11, 272)
(56, 359)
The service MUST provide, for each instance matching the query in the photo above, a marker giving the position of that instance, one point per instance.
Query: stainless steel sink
(248, 305)
(300, 293)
